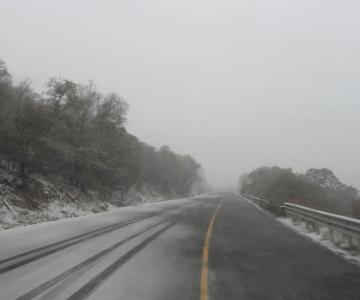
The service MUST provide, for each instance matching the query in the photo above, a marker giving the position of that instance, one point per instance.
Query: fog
(236, 84)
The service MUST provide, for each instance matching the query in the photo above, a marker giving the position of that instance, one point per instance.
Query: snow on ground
(36, 200)
(55, 210)
(60, 209)
(321, 239)
(179, 200)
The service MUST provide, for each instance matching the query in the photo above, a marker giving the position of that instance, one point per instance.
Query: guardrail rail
(342, 231)
(265, 204)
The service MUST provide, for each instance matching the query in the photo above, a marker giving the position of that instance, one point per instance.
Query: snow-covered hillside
(35, 200)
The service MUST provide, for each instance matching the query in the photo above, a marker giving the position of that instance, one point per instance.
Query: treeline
(74, 132)
(318, 189)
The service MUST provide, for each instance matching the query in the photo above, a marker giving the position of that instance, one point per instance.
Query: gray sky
(236, 84)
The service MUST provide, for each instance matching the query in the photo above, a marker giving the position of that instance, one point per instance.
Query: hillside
(317, 188)
(66, 151)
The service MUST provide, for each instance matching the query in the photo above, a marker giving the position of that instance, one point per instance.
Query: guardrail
(265, 204)
(342, 231)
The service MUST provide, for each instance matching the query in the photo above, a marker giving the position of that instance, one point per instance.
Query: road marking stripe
(205, 257)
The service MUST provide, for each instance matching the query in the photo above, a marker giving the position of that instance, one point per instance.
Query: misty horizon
(239, 87)
(179, 149)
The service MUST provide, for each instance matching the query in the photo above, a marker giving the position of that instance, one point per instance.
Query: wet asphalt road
(156, 252)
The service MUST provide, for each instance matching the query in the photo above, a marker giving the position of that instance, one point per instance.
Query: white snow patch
(321, 240)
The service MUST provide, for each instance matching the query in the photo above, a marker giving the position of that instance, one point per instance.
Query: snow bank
(321, 239)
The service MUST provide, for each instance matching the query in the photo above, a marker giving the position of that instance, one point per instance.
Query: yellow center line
(205, 258)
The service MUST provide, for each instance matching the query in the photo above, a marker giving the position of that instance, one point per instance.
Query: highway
(210, 247)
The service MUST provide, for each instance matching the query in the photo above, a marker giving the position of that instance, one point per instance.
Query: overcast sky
(236, 84)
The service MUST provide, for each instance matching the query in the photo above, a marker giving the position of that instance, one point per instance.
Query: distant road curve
(215, 246)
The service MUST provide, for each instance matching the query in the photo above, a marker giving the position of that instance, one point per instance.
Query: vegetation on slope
(318, 188)
(76, 134)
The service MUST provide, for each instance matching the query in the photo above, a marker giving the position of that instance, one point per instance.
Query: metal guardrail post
(342, 231)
